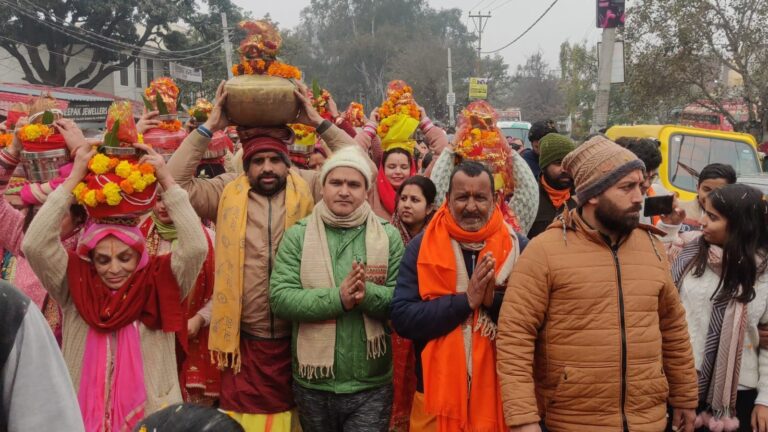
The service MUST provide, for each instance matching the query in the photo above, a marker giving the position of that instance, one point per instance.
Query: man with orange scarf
(554, 183)
(447, 300)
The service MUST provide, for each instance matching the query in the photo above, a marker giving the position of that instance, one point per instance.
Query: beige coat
(264, 229)
(48, 259)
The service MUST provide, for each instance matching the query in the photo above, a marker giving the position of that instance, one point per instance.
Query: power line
(476, 5)
(82, 59)
(68, 32)
(501, 5)
(526, 30)
(69, 27)
(65, 27)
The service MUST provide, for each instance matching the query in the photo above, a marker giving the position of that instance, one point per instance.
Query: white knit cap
(350, 156)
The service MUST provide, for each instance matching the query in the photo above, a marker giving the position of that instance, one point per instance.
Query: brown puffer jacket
(592, 339)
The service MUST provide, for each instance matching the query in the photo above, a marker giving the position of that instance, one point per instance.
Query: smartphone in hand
(658, 205)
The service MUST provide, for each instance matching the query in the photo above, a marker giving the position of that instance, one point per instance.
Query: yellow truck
(686, 150)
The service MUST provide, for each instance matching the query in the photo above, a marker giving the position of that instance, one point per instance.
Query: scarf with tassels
(718, 377)
(442, 272)
(316, 341)
(231, 224)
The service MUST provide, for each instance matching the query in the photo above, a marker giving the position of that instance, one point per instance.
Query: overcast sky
(569, 19)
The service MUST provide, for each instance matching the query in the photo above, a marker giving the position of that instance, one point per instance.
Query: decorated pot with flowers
(117, 183)
(261, 92)
(355, 114)
(162, 96)
(220, 142)
(399, 116)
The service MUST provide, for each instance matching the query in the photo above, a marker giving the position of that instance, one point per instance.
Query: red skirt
(404, 382)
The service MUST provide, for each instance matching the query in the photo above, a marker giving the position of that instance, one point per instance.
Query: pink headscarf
(130, 235)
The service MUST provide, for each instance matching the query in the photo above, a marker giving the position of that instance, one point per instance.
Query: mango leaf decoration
(110, 138)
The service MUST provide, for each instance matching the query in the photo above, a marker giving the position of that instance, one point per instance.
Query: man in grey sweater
(35, 390)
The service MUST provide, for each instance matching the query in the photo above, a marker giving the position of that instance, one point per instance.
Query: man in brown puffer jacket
(592, 335)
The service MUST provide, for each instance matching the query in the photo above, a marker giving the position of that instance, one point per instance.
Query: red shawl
(151, 295)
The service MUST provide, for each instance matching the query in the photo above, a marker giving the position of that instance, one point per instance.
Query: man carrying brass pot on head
(252, 210)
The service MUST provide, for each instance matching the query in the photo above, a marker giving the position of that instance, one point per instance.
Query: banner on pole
(617, 68)
(478, 88)
(186, 73)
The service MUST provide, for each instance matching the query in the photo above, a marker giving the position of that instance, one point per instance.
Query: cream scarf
(316, 343)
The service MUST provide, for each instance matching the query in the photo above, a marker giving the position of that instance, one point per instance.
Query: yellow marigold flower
(78, 190)
(90, 198)
(149, 178)
(140, 185)
(124, 169)
(140, 138)
(99, 164)
(112, 192)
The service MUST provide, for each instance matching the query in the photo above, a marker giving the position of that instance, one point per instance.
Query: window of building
(123, 72)
(137, 71)
(150, 71)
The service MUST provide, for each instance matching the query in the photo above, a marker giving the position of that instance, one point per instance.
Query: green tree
(578, 76)
(355, 47)
(45, 35)
(537, 90)
(681, 51)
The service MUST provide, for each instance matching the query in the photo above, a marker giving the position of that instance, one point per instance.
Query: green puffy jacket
(352, 371)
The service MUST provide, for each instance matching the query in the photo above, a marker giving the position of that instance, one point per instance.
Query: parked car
(686, 150)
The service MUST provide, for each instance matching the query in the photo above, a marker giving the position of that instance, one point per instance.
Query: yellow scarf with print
(231, 222)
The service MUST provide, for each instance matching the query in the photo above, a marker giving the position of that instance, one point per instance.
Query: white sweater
(695, 295)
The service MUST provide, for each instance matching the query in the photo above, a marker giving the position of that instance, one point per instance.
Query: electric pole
(451, 96)
(227, 45)
(480, 21)
(603, 96)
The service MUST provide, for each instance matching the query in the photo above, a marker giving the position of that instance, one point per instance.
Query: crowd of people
(384, 288)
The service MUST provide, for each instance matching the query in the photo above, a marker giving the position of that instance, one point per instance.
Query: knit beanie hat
(261, 139)
(598, 164)
(553, 147)
(351, 157)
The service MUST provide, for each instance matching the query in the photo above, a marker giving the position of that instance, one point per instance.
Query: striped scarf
(718, 376)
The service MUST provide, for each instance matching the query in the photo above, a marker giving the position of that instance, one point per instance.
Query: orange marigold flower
(236, 70)
(146, 168)
(100, 197)
(283, 70)
(126, 186)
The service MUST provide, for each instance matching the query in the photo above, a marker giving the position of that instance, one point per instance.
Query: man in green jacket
(334, 277)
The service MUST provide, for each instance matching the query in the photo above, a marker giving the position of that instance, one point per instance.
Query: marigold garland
(355, 114)
(6, 140)
(201, 110)
(275, 68)
(479, 138)
(399, 101)
(170, 125)
(301, 131)
(135, 178)
(167, 89)
(258, 52)
(34, 132)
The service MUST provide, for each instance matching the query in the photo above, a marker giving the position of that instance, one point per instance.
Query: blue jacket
(420, 320)
(533, 161)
